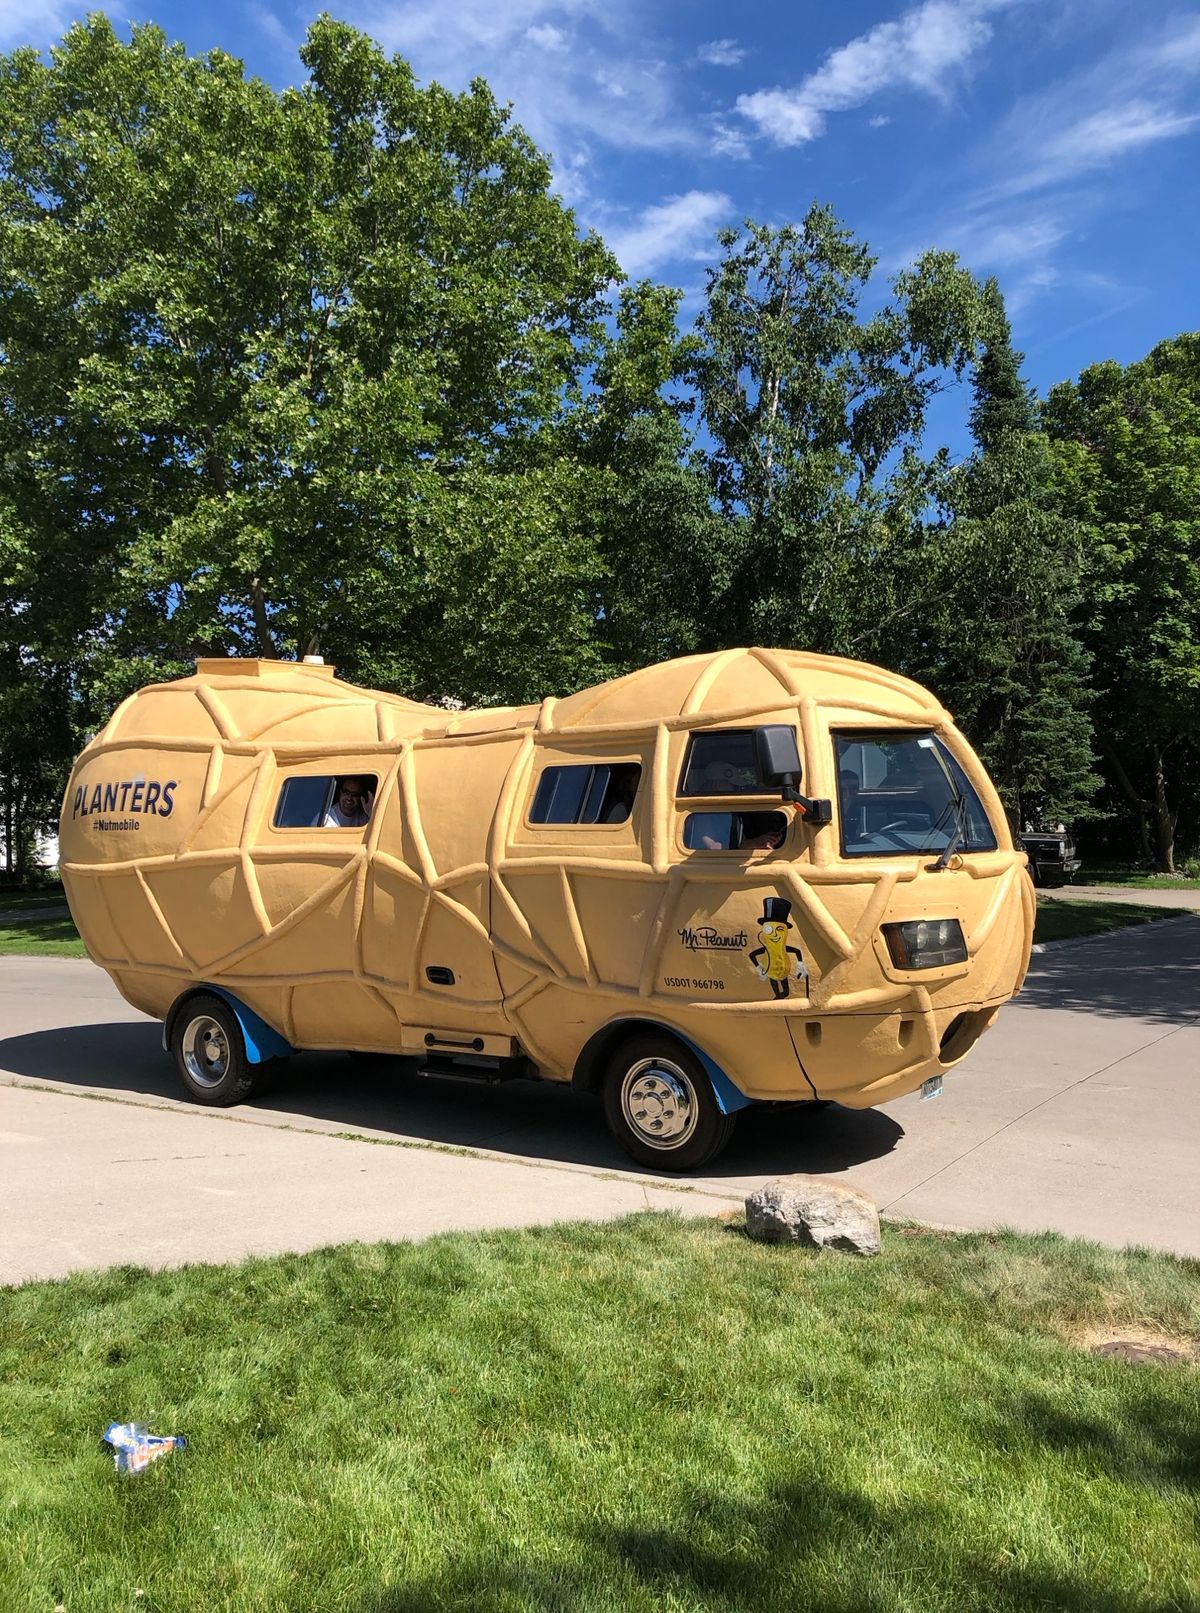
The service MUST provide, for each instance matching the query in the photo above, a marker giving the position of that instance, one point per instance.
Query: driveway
(1079, 1112)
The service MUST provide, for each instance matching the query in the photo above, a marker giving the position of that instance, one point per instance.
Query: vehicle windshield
(902, 793)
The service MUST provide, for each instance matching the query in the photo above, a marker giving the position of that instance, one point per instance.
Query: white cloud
(1130, 100)
(993, 243)
(680, 227)
(580, 74)
(269, 25)
(35, 22)
(1037, 212)
(1099, 138)
(921, 50)
(989, 242)
(879, 122)
(721, 53)
(547, 36)
(728, 141)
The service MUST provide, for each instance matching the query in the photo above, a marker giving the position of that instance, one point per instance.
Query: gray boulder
(818, 1214)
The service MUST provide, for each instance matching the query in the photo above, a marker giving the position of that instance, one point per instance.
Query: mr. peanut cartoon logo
(773, 959)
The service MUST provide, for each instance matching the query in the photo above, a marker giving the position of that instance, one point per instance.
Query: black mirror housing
(777, 759)
(776, 754)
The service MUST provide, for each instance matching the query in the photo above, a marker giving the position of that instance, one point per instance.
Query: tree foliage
(1000, 635)
(816, 411)
(1127, 452)
(287, 372)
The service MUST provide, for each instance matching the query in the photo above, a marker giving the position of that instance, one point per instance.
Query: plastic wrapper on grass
(135, 1447)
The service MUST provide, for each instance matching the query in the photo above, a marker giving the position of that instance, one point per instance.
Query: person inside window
(352, 803)
(852, 814)
(622, 789)
(762, 831)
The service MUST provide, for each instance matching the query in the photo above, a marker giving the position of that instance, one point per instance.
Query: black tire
(210, 1054)
(652, 1076)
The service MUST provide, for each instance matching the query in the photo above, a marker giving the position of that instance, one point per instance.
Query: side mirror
(777, 759)
(776, 754)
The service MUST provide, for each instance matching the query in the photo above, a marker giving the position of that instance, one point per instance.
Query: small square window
(326, 801)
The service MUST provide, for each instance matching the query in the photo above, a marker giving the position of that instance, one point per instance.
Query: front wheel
(210, 1054)
(660, 1105)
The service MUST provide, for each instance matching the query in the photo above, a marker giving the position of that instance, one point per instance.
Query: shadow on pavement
(527, 1119)
(1150, 971)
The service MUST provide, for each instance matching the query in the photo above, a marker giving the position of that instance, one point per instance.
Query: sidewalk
(1123, 893)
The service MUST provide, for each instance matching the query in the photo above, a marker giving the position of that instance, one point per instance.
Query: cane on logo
(778, 967)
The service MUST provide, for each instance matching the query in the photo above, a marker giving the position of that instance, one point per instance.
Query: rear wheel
(660, 1105)
(210, 1054)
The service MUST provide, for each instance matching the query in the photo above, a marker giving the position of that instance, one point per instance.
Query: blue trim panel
(729, 1099)
(262, 1043)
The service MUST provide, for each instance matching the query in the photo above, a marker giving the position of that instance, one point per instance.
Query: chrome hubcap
(658, 1103)
(206, 1051)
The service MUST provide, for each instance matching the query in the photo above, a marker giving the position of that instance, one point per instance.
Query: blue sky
(1053, 143)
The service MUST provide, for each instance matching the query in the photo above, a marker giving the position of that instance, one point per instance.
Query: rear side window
(586, 792)
(328, 801)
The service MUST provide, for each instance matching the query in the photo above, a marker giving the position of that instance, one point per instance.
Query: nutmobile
(754, 876)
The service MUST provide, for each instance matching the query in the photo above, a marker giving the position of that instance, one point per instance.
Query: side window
(734, 831)
(586, 792)
(722, 763)
(340, 801)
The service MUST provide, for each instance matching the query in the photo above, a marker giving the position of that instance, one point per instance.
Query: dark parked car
(1053, 859)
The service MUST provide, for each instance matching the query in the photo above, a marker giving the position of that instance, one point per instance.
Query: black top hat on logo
(776, 910)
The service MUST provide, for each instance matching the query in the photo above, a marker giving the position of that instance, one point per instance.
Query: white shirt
(335, 818)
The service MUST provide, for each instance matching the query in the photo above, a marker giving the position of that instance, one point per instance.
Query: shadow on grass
(526, 1119)
(807, 1547)
(42, 929)
(1155, 1441)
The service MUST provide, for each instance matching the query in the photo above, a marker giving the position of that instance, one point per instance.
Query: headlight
(926, 943)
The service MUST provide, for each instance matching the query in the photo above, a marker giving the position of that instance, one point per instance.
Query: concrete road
(1079, 1111)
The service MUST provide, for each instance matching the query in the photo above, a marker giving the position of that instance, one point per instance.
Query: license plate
(932, 1088)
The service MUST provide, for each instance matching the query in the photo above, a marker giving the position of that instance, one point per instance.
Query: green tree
(1004, 651)
(662, 541)
(290, 372)
(816, 414)
(36, 744)
(1126, 446)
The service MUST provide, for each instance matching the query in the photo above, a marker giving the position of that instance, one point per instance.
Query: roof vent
(313, 660)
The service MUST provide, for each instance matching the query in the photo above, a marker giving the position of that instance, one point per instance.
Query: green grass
(1058, 920)
(654, 1414)
(48, 896)
(1136, 879)
(41, 938)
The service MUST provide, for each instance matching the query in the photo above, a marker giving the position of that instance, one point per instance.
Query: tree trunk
(264, 638)
(1164, 819)
(1141, 805)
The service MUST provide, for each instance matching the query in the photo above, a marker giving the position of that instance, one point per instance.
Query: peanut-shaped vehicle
(755, 876)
